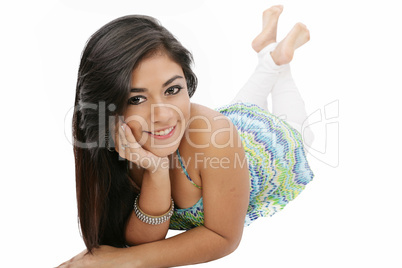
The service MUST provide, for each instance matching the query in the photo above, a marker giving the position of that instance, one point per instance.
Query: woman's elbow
(231, 245)
(234, 245)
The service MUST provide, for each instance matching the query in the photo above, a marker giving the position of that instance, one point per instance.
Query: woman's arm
(226, 188)
(225, 181)
(155, 195)
(197, 245)
(155, 199)
(224, 176)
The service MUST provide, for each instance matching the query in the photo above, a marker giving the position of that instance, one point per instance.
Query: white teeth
(163, 132)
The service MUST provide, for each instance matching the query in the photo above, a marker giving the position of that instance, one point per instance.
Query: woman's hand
(81, 260)
(104, 256)
(128, 148)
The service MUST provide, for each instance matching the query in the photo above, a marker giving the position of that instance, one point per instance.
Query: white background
(349, 216)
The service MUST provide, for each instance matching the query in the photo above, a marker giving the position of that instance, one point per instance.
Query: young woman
(147, 159)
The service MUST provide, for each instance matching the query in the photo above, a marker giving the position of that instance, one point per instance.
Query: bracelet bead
(153, 220)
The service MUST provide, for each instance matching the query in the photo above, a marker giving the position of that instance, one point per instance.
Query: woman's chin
(163, 152)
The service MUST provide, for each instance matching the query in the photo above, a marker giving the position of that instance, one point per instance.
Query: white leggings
(287, 102)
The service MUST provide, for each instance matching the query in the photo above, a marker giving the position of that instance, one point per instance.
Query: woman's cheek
(137, 132)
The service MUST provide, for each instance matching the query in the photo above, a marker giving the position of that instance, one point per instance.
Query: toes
(301, 27)
(274, 10)
(270, 19)
(269, 23)
(301, 34)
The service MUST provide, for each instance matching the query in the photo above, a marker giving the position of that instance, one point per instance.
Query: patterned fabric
(276, 161)
(185, 171)
(188, 218)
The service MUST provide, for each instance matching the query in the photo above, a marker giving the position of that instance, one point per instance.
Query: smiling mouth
(163, 134)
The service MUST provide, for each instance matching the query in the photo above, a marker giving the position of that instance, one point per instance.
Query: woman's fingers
(128, 148)
(120, 139)
(126, 144)
(127, 137)
(76, 261)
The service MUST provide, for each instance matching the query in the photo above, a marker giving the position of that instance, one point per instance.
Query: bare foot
(297, 37)
(269, 24)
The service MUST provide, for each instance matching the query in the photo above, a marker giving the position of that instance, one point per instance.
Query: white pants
(287, 102)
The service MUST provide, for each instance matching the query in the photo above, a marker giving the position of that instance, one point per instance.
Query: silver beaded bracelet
(154, 220)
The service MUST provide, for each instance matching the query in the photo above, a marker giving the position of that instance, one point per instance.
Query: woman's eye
(173, 90)
(136, 100)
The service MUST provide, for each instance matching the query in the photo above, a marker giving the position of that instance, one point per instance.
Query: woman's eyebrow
(135, 90)
(140, 89)
(171, 80)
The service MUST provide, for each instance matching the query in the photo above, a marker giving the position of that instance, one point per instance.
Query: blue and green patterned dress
(276, 160)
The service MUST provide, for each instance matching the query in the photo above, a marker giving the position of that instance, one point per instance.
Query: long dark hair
(105, 192)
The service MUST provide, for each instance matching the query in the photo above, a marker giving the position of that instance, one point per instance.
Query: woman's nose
(161, 112)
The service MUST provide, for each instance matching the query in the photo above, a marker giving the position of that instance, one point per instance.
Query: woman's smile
(162, 134)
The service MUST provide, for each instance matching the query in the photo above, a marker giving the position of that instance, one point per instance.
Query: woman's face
(158, 106)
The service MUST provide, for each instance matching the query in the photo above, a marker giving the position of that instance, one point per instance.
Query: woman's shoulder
(198, 110)
(209, 128)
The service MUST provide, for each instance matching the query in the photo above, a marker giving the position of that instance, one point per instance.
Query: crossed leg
(272, 74)
(265, 75)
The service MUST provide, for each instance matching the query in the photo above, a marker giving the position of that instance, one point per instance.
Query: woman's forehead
(157, 68)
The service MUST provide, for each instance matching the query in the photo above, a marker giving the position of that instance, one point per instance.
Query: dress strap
(185, 171)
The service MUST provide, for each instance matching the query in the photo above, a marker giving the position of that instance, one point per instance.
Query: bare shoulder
(201, 110)
(210, 129)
